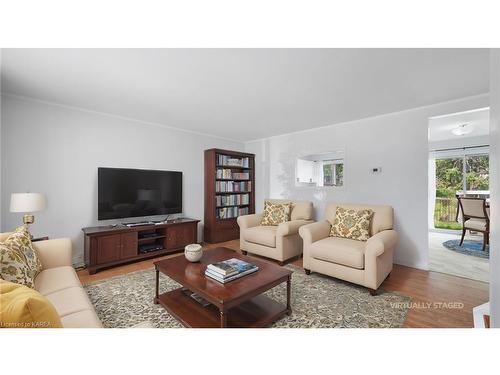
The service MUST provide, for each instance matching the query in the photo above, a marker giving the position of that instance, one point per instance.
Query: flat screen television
(124, 193)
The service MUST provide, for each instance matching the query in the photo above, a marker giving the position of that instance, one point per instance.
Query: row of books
(231, 200)
(230, 212)
(229, 270)
(229, 174)
(230, 161)
(230, 186)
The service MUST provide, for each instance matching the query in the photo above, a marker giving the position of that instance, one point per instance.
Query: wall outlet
(376, 170)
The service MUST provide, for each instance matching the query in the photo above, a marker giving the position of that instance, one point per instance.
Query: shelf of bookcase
(232, 167)
(234, 205)
(233, 192)
(231, 179)
(227, 219)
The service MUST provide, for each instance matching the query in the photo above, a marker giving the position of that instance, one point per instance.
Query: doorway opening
(459, 177)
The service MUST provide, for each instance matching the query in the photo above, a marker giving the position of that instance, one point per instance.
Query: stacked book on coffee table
(229, 270)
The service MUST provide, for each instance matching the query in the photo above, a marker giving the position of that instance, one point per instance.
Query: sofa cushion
(19, 261)
(54, 279)
(301, 210)
(23, 307)
(276, 213)
(352, 224)
(81, 319)
(338, 250)
(70, 300)
(262, 235)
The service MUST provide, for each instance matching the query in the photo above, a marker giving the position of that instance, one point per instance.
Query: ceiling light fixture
(463, 129)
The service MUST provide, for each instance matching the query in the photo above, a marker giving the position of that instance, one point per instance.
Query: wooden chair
(475, 217)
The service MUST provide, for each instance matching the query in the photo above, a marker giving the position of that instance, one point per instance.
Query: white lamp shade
(27, 202)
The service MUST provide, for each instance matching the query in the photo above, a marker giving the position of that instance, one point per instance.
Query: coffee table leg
(223, 319)
(288, 292)
(157, 300)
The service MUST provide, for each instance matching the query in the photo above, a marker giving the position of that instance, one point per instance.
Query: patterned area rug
(469, 247)
(317, 301)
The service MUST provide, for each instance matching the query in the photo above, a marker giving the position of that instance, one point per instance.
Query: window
(333, 172)
(458, 172)
(320, 170)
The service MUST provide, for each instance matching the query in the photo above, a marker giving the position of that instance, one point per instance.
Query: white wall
(56, 150)
(495, 187)
(397, 142)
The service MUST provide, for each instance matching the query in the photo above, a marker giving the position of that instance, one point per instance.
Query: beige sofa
(59, 283)
(364, 263)
(280, 242)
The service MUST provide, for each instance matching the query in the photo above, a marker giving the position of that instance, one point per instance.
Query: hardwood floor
(438, 300)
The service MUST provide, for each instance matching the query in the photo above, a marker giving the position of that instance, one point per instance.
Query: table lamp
(27, 203)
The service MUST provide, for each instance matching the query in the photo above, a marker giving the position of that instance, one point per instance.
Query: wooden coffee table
(239, 303)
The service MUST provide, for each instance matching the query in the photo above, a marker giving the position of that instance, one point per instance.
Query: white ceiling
(245, 94)
(440, 127)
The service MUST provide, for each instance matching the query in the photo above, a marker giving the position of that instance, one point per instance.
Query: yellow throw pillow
(23, 307)
(352, 224)
(19, 261)
(276, 213)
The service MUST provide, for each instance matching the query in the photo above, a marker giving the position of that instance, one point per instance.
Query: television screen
(135, 192)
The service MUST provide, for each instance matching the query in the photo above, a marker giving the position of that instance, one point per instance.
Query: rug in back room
(317, 302)
(469, 247)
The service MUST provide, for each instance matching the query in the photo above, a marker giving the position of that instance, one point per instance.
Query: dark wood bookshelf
(224, 229)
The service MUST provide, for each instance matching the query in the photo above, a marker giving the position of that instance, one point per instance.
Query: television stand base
(107, 246)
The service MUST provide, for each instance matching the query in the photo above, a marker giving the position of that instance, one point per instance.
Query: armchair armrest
(249, 221)
(314, 232)
(291, 227)
(54, 253)
(377, 244)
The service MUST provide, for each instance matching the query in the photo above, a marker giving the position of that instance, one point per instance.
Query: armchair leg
(308, 272)
(463, 235)
(244, 252)
(485, 240)
(373, 292)
(281, 263)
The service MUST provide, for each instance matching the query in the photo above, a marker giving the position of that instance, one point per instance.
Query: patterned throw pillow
(276, 213)
(23, 307)
(351, 224)
(19, 261)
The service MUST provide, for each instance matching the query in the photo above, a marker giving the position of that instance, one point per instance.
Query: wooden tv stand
(109, 246)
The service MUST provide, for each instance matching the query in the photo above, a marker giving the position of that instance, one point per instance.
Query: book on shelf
(231, 161)
(231, 212)
(228, 174)
(232, 200)
(232, 186)
(236, 267)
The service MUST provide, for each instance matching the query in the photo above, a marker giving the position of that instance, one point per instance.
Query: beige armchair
(364, 263)
(281, 242)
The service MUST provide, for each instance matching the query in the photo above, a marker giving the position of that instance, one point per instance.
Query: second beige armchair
(281, 242)
(366, 263)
